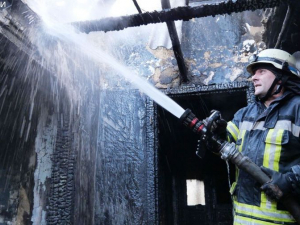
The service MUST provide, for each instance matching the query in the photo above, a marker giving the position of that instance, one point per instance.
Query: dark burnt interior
(178, 162)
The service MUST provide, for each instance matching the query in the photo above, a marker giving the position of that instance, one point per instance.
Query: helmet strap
(269, 93)
(283, 81)
(285, 67)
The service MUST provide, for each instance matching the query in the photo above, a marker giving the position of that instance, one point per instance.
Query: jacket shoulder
(292, 104)
(296, 99)
(248, 111)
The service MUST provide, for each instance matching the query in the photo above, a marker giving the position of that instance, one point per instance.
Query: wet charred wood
(180, 13)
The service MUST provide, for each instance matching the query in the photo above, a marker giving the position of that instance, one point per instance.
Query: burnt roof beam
(180, 13)
(165, 4)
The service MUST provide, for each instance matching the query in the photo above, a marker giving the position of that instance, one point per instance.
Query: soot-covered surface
(47, 143)
(124, 182)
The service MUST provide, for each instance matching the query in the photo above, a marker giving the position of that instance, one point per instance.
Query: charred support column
(179, 13)
(284, 26)
(290, 14)
(137, 6)
(165, 4)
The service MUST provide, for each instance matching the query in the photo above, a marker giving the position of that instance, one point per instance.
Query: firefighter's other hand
(219, 125)
(278, 186)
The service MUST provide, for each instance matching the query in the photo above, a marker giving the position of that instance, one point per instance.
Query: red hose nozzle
(189, 120)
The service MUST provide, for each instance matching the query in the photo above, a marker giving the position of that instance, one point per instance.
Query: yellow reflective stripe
(232, 188)
(263, 213)
(278, 149)
(228, 138)
(271, 160)
(267, 203)
(242, 137)
(233, 130)
(237, 171)
(239, 220)
(237, 174)
(267, 149)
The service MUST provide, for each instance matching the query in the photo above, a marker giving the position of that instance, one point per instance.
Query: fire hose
(229, 152)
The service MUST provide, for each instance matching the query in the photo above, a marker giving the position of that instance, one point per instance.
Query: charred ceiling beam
(175, 43)
(179, 13)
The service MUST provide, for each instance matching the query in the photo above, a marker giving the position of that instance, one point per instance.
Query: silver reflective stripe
(238, 220)
(268, 204)
(257, 212)
(287, 125)
(259, 126)
(246, 125)
(295, 130)
(233, 130)
(281, 124)
(272, 150)
(271, 160)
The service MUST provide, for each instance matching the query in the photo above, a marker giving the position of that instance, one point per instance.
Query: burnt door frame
(155, 206)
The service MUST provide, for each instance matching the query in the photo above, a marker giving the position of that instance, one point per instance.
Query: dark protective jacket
(270, 138)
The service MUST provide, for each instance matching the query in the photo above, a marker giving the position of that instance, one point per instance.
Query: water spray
(229, 152)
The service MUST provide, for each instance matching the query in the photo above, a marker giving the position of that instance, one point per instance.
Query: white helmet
(277, 58)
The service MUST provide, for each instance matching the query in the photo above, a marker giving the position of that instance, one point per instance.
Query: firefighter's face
(262, 80)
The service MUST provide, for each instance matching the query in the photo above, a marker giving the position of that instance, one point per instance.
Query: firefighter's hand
(296, 181)
(218, 125)
(221, 126)
(278, 186)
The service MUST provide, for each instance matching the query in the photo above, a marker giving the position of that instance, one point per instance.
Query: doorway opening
(193, 190)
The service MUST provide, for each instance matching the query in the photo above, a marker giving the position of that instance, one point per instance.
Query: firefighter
(267, 131)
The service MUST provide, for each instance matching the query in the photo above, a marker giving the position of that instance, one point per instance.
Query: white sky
(80, 10)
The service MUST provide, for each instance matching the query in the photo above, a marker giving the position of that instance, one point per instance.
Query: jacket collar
(286, 95)
(271, 113)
